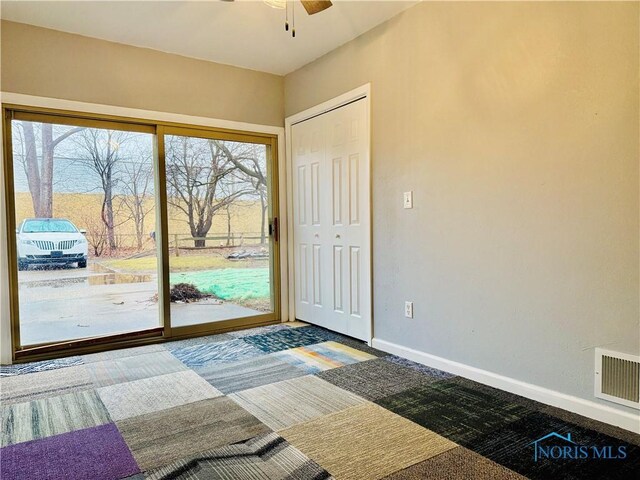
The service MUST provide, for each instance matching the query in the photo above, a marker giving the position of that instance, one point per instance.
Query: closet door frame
(362, 93)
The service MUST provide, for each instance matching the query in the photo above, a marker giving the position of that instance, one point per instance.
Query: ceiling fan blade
(315, 6)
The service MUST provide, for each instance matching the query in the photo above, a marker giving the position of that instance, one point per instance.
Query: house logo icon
(538, 443)
(554, 446)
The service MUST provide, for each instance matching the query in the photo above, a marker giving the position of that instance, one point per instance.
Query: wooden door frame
(360, 93)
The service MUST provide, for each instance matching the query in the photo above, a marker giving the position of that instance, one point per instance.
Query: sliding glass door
(220, 229)
(123, 231)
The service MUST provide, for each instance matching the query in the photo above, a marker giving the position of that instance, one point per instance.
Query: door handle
(273, 229)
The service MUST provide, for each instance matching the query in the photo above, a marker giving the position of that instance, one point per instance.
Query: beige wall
(48, 63)
(516, 126)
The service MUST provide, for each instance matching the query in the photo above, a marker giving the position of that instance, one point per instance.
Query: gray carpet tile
(196, 356)
(22, 388)
(376, 379)
(130, 399)
(250, 373)
(266, 457)
(157, 439)
(45, 417)
(123, 352)
(290, 402)
(126, 369)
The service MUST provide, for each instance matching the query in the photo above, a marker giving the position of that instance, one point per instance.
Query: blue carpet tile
(43, 366)
(223, 352)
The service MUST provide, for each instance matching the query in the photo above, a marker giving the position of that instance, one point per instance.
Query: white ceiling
(245, 33)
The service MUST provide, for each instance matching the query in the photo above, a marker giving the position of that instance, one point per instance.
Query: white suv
(50, 241)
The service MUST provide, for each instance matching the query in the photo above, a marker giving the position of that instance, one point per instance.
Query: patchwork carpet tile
(126, 369)
(328, 335)
(250, 373)
(97, 453)
(322, 356)
(258, 330)
(215, 353)
(123, 352)
(22, 388)
(290, 402)
(288, 338)
(456, 464)
(157, 439)
(376, 379)
(365, 442)
(432, 372)
(43, 366)
(267, 457)
(149, 395)
(456, 412)
(45, 417)
(512, 446)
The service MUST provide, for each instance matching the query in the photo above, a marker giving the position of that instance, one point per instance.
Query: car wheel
(22, 266)
(82, 264)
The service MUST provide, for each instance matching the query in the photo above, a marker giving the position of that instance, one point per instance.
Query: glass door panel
(219, 202)
(85, 215)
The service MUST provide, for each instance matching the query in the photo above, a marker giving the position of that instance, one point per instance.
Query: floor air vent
(618, 377)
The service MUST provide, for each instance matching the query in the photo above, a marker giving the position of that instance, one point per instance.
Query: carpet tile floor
(287, 402)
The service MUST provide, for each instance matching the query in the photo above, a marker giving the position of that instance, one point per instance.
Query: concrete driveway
(58, 304)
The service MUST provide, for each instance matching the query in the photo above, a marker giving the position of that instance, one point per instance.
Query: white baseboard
(587, 408)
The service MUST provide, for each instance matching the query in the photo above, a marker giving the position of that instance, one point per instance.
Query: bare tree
(200, 181)
(137, 189)
(100, 150)
(38, 163)
(250, 159)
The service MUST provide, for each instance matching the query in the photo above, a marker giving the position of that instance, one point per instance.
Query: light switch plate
(408, 200)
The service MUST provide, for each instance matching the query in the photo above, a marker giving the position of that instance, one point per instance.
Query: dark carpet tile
(456, 464)
(512, 447)
(375, 379)
(564, 415)
(432, 372)
(285, 339)
(457, 412)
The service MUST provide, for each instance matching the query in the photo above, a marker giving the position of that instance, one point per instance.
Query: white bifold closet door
(330, 176)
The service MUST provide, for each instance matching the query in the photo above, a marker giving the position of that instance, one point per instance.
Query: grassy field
(149, 264)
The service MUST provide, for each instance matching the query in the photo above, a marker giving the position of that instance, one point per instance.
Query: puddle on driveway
(104, 279)
(117, 278)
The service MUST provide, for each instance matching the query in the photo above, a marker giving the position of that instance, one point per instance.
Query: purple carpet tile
(94, 453)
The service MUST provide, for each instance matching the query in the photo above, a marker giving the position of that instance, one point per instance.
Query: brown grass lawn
(83, 209)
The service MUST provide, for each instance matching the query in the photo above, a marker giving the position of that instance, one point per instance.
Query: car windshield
(48, 225)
